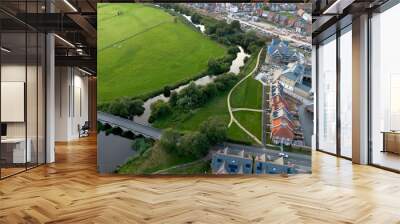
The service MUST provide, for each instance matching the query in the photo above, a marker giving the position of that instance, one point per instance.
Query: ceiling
(73, 21)
(330, 15)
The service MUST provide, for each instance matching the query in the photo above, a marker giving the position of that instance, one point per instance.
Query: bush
(194, 144)
(210, 90)
(116, 130)
(226, 81)
(107, 126)
(118, 108)
(135, 107)
(167, 91)
(233, 50)
(190, 97)
(100, 127)
(159, 109)
(169, 140)
(235, 25)
(142, 144)
(125, 107)
(128, 134)
(196, 18)
(214, 129)
(218, 66)
(173, 98)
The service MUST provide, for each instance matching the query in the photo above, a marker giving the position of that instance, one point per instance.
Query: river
(199, 26)
(112, 151)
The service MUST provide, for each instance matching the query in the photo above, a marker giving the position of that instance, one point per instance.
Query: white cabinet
(18, 145)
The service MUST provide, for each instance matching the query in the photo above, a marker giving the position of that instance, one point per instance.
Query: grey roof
(302, 87)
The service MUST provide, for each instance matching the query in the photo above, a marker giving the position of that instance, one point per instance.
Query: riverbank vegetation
(177, 148)
(229, 34)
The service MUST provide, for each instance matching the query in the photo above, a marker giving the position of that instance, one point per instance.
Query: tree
(116, 130)
(169, 140)
(141, 144)
(135, 107)
(233, 50)
(100, 127)
(173, 98)
(214, 129)
(210, 90)
(190, 97)
(119, 108)
(128, 134)
(225, 81)
(196, 18)
(107, 126)
(167, 91)
(235, 25)
(217, 66)
(194, 144)
(159, 109)
(211, 29)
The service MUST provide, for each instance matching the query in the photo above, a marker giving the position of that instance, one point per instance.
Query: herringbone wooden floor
(70, 191)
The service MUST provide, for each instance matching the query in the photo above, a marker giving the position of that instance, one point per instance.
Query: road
(130, 125)
(306, 121)
(282, 36)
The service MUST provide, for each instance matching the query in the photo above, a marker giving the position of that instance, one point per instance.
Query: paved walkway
(246, 109)
(230, 109)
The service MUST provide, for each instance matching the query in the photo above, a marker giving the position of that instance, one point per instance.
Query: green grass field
(247, 95)
(251, 121)
(141, 49)
(152, 160)
(198, 167)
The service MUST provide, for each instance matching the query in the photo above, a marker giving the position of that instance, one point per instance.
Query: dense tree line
(221, 31)
(191, 97)
(197, 143)
(194, 96)
(124, 107)
(231, 34)
(108, 129)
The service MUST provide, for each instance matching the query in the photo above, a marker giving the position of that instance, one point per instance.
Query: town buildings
(232, 161)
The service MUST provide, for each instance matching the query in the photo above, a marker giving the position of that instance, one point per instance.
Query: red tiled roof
(282, 132)
(277, 102)
(282, 121)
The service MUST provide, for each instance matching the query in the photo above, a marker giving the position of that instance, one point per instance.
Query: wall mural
(204, 88)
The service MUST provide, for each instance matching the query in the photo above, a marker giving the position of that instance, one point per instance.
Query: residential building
(297, 79)
(280, 52)
(233, 161)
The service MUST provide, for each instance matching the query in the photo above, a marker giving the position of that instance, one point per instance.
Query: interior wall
(314, 90)
(71, 102)
(16, 73)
